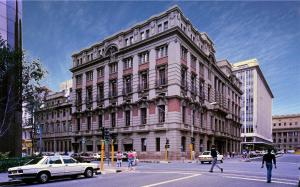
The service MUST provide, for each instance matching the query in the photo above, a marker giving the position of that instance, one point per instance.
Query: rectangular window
(184, 52)
(100, 121)
(157, 144)
(100, 92)
(89, 94)
(193, 84)
(147, 33)
(113, 120)
(144, 144)
(64, 112)
(78, 124)
(113, 88)
(128, 62)
(89, 76)
(127, 118)
(193, 61)
(127, 42)
(161, 113)
(89, 123)
(183, 114)
(162, 80)
(100, 72)
(58, 113)
(165, 25)
(144, 57)
(159, 28)
(113, 68)
(143, 116)
(127, 84)
(143, 80)
(143, 36)
(162, 51)
(78, 79)
(183, 142)
(131, 40)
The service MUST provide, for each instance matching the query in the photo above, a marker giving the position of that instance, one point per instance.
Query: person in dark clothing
(268, 158)
(214, 155)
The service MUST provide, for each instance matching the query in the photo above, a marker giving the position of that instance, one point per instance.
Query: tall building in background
(66, 86)
(256, 105)
(11, 22)
(286, 132)
(10, 87)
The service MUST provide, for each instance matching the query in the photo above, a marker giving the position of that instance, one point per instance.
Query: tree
(19, 83)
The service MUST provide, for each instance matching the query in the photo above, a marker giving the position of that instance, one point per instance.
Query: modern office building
(155, 82)
(11, 22)
(286, 132)
(10, 94)
(256, 105)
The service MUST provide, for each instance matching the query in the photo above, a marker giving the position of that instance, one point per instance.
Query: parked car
(206, 157)
(86, 157)
(44, 168)
(97, 156)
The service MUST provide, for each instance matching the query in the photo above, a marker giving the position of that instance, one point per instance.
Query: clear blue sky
(268, 31)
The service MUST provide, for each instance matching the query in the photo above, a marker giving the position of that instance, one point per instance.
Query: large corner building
(256, 105)
(154, 82)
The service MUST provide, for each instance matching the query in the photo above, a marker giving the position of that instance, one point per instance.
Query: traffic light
(192, 140)
(167, 143)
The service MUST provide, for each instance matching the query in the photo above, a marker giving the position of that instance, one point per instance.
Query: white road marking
(173, 180)
(236, 175)
(261, 180)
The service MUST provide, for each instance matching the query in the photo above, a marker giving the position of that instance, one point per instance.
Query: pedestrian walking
(230, 154)
(130, 160)
(268, 158)
(214, 155)
(119, 159)
(233, 154)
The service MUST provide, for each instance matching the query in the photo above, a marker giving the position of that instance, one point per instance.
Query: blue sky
(268, 31)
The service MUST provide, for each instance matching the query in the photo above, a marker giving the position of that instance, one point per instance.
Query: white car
(46, 167)
(206, 157)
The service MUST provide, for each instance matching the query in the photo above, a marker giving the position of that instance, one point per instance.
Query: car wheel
(209, 162)
(43, 177)
(88, 173)
(28, 181)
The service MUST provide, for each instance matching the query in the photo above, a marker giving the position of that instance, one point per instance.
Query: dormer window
(165, 25)
(131, 40)
(143, 35)
(127, 42)
(159, 28)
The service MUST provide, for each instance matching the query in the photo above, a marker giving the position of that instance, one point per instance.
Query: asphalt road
(178, 174)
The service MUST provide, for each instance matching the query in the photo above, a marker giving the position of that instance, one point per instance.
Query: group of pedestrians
(132, 159)
(268, 159)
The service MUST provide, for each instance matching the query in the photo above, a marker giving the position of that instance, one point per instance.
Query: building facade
(10, 89)
(286, 132)
(155, 82)
(53, 124)
(256, 105)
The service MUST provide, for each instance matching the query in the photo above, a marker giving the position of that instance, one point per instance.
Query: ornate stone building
(286, 132)
(155, 81)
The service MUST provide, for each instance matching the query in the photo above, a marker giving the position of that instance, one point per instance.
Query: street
(236, 173)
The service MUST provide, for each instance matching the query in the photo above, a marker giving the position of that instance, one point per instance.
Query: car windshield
(206, 153)
(34, 161)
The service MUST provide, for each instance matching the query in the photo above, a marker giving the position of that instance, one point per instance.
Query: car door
(72, 166)
(56, 166)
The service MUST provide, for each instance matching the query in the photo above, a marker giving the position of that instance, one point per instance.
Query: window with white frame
(113, 68)
(159, 28)
(100, 71)
(89, 76)
(128, 62)
(162, 51)
(143, 35)
(165, 25)
(144, 57)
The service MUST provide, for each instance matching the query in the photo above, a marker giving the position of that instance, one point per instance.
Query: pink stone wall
(174, 105)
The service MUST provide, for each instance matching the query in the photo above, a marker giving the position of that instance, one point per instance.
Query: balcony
(162, 61)
(144, 66)
(113, 75)
(112, 94)
(127, 71)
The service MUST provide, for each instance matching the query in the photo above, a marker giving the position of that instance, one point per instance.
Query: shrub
(13, 162)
